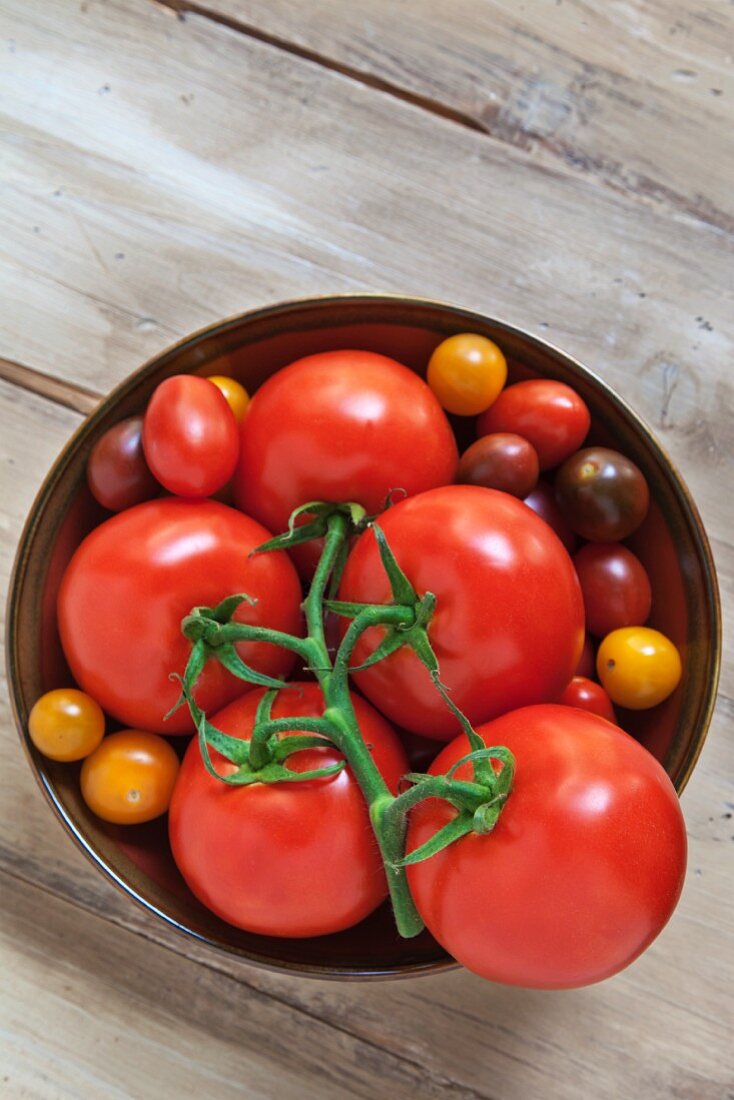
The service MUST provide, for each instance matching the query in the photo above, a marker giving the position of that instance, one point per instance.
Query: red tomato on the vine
(508, 627)
(283, 859)
(340, 426)
(583, 868)
(134, 578)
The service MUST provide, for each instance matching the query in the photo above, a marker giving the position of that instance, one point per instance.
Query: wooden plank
(452, 1036)
(213, 209)
(97, 1013)
(625, 92)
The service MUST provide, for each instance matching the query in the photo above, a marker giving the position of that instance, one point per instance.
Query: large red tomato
(286, 859)
(132, 580)
(580, 873)
(340, 426)
(509, 622)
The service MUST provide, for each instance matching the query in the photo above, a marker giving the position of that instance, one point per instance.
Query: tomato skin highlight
(615, 586)
(117, 473)
(583, 869)
(508, 626)
(285, 859)
(638, 666)
(549, 414)
(133, 579)
(190, 436)
(340, 426)
(588, 695)
(129, 779)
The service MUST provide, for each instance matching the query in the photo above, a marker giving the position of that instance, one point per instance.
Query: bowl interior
(671, 543)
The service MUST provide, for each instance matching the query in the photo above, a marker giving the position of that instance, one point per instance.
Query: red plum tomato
(134, 578)
(117, 473)
(283, 859)
(587, 695)
(549, 414)
(340, 426)
(583, 868)
(508, 626)
(190, 436)
(602, 494)
(615, 586)
(502, 461)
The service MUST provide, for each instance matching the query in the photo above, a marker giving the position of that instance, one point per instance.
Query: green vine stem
(264, 758)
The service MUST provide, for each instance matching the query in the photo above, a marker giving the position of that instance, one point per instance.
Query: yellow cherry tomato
(66, 724)
(467, 373)
(638, 667)
(235, 394)
(130, 777)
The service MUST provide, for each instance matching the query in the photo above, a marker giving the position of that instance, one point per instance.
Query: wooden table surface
(561, 164)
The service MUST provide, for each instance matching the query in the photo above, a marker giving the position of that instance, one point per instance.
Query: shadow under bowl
(671, 543)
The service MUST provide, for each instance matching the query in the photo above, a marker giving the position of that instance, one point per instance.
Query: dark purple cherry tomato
(543, 502)
(602, 494)
(501, 461)
(586, 695)
(550, 415)
(615, 585)
(117, 472)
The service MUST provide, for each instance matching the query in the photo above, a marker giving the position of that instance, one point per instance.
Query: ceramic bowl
(671, 543)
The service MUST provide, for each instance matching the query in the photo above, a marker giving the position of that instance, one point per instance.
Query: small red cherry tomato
(549, 414)
(117, 473)
(615, 585)
(602, 494)
(190, 436)
(501, 461)
(543, 502)
(587, 661)
(586, 695)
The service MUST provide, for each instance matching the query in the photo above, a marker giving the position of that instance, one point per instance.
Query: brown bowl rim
(283, 310)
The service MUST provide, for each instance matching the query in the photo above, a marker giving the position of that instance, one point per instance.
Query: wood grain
(627, 92)
(159, 208)
(453, 1036)
(162, 173)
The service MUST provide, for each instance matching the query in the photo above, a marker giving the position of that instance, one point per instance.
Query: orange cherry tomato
(66, 724)
(638, 666)
(234, 393)
(130, 777)
(467, 373)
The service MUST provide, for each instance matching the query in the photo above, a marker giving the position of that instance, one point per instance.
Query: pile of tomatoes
(519, 540)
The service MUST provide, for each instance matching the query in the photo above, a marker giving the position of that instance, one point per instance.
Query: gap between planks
(78, 398)
(565, 158)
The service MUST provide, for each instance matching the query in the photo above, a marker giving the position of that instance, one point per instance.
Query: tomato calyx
(263, 759)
